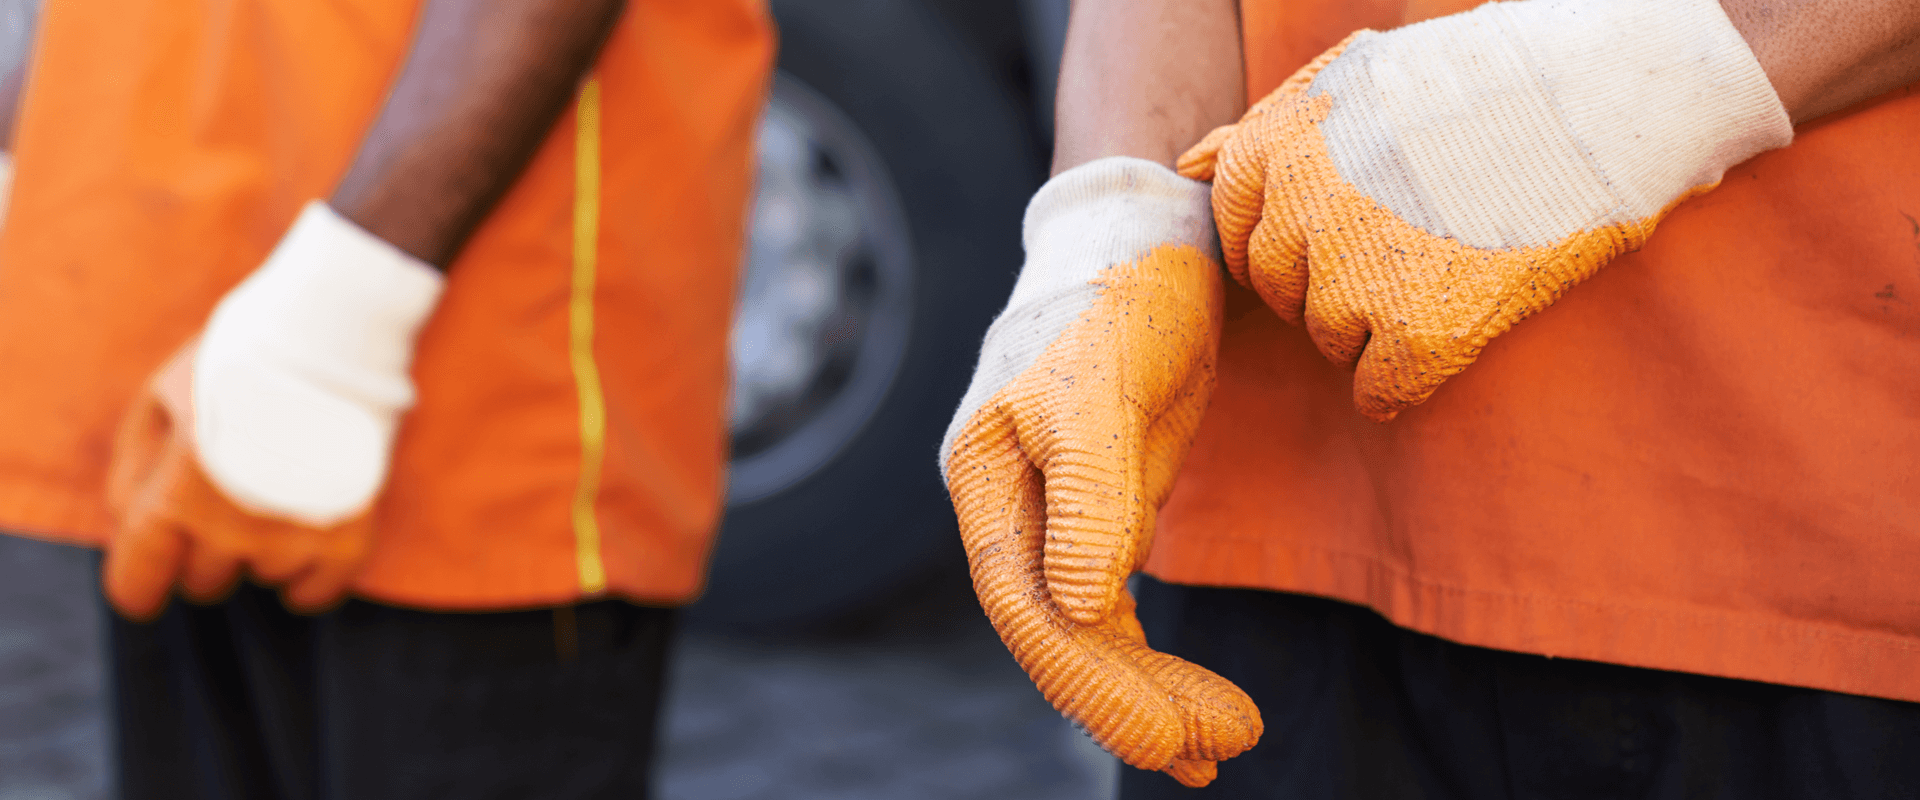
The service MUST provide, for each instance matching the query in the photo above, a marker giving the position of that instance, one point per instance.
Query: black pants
(245, 700)
(1357, 708)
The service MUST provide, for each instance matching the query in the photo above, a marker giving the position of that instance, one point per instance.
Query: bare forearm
(1146, 78)
(1825, 55)
(482, 86)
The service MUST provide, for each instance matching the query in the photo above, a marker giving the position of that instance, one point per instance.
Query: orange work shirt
(569, 438)
(1705, 459)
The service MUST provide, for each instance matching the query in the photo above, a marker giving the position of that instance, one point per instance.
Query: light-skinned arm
(1146, 78)
(1826, 55)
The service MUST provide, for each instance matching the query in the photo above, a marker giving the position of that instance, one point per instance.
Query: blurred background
(838, 651)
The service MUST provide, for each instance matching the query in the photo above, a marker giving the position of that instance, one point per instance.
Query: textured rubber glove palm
(1090, 386)
(1411, 195)
(176, 529)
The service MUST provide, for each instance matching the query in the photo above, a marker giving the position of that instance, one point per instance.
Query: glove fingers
(1083, 671)
(209, 571)
(281, 551)
(1239, 190)
(142, 563)
(285, 562)
(338, 557)
(1338, 326)
(1197, 164)
(320, 588)
(1103, 677)
(1193, 774)
(1276, 256)
(1220, 720)
(1394, 374)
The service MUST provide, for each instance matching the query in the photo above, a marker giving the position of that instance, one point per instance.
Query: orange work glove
(176, 528)
(1089, 388)
(1411, 195)
(264, 444)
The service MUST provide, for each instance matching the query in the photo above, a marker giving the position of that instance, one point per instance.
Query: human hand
(263, 444)
(1089, 389)
(1411, 195)
(177, 531)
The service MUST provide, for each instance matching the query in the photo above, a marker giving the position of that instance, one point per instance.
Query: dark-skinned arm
(480, 90)
(278, 421)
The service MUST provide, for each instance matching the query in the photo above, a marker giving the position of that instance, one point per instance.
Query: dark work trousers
(1358, 708)
(245, 700)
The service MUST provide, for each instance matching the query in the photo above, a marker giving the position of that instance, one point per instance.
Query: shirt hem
(48, 514)
(1704, 641)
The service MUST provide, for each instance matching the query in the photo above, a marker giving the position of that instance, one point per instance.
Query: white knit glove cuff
(1518, 124)
(302, 372)
(1110, 211)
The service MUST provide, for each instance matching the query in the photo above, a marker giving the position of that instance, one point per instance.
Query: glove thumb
(1093, 465)
(148, 551)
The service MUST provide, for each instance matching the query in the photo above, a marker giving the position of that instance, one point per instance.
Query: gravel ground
(922, 702)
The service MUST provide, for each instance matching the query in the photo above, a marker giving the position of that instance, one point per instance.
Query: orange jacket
(569, 438)
(1705, 459)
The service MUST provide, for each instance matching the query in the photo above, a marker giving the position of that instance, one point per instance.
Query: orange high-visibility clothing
(569, 438)
(1706, 458)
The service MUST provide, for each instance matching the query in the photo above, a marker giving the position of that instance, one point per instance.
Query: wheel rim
(826, 299)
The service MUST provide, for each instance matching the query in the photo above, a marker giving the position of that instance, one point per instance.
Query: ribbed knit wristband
(1101, 213)
(1518, 124)
(302, 372)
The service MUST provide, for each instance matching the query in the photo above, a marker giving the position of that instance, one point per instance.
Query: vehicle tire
(865, 508)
